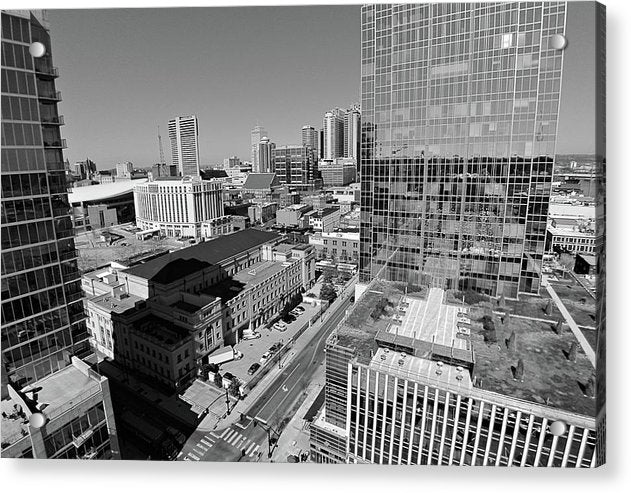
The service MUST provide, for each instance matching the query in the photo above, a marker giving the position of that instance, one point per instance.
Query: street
(247, 440)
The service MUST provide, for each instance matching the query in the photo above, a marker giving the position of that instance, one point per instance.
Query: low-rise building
(262, 213)
(348, 194)
(164, 316)
(339, 245)
(337, 172)
(324, 219)
(217, 226)
(292, 216)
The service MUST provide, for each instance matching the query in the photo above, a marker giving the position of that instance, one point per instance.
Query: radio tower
(163, 164)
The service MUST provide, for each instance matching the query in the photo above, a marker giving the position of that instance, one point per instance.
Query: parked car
(295, 313)
(250, 335)
(253, 368)
(280, 326)
(265, 357)
(275, 347)
(299, 309)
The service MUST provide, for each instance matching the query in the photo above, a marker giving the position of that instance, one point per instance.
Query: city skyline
(144, 95)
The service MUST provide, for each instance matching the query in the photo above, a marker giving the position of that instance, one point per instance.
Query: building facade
(324, 219)
(292, 216)
(184, 135)
(352, 133)
(338, 172)
(124, 170)
(459, 115)
(42, 313)
(295, 166)
(341, 246)
(266, 156)
(333, 126)
(43, 326)
(177, 207)
(218, 226)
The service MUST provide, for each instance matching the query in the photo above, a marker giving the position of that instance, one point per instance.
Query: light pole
(269, 431)
(279, 354)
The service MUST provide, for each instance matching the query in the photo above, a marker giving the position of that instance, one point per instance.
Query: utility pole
(279, 354)
(227, 402)
(269, 431)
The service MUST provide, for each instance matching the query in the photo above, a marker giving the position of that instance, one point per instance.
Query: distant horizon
(124, 72)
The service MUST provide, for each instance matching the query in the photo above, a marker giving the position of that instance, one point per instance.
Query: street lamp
(279, 354)
(269, 431)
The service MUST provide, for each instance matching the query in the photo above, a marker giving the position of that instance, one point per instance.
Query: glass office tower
(42, 311)
(459, 117)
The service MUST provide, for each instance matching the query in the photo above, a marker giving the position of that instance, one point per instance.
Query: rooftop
(103, 191)
(161, 331)
(430, 329)
(259, 181)
(115, 304)
(211, 252)
(258, 272)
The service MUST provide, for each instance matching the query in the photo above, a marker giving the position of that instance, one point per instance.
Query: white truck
(224, 355)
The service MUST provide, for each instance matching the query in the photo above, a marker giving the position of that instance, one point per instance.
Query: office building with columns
(177, 207)
(184, 135)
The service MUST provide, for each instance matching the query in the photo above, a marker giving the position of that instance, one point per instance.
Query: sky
(123, 72)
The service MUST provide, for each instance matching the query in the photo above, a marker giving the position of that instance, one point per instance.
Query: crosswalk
(231, 436)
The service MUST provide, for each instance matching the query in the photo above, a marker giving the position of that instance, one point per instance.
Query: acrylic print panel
(199, 263)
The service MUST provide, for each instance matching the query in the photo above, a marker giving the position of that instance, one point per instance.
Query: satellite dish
(558, 428)
(37, 420)
(37, 49)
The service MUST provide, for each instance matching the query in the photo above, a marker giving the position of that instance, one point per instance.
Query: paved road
(245, 441)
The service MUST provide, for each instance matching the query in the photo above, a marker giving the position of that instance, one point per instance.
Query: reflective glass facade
(459, 118)
(42, 312)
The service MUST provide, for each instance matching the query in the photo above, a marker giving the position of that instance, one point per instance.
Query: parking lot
(253, 349)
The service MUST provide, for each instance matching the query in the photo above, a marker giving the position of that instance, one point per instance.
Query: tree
(519, 370)
(559, 326)
(235, 387)
(566, 261)
(571, 355)
(548, 308)
(218, 380)
(327, 292)
(590, 386)
(512, 342)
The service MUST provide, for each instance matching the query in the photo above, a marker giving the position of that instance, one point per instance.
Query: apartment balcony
(46, 72)
(59, 143)
(53, 120)
(50, 96)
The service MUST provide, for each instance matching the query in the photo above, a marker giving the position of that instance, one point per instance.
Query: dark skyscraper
(459, 118)
(42, 310)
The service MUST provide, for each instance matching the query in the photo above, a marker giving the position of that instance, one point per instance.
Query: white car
(250, 335)
(267, 355)
(281, 326)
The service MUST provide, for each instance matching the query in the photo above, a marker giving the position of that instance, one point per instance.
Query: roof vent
(383, 356)
(401, 362)
(439, 371)
(458, 377)
(459, 369)
(403, 355)
(386, 350)
(439, 364)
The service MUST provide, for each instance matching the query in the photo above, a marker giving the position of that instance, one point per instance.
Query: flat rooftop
(258, 272)
(115, 304)
(430, 329)
(60, 391)
(161, 331)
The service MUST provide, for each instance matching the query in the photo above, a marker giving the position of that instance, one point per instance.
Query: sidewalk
(294, 439)
(210, 422)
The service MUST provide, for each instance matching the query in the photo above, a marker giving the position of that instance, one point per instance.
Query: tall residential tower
(184, 134)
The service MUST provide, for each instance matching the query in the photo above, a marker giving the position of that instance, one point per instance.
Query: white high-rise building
(334, 133)
(352, 133)
(266, 155)
(256, 135)
(184, 133)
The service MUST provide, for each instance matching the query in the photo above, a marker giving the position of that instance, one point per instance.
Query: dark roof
(207, 174)
(209, 252)
(178, 268)
(259, 181)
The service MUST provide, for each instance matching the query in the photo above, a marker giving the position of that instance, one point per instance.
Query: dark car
(289, 318)
(252, 370)
(275, 347)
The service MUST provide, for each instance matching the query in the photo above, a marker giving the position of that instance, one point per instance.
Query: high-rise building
(266, 155)
(459, 111)
(256, 135)
(43, 325)
(295, 165)
(333, 127)
(320, 137)
(310, 137)
(184, 134)
(352, 133)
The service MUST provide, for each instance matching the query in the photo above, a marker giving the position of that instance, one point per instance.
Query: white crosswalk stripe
(193, 456)
(202, 447)
(235, 439)
(224, 432)
(249, 449)
(207, 442)
(186, 457)
(230, 435)
(254, 451)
